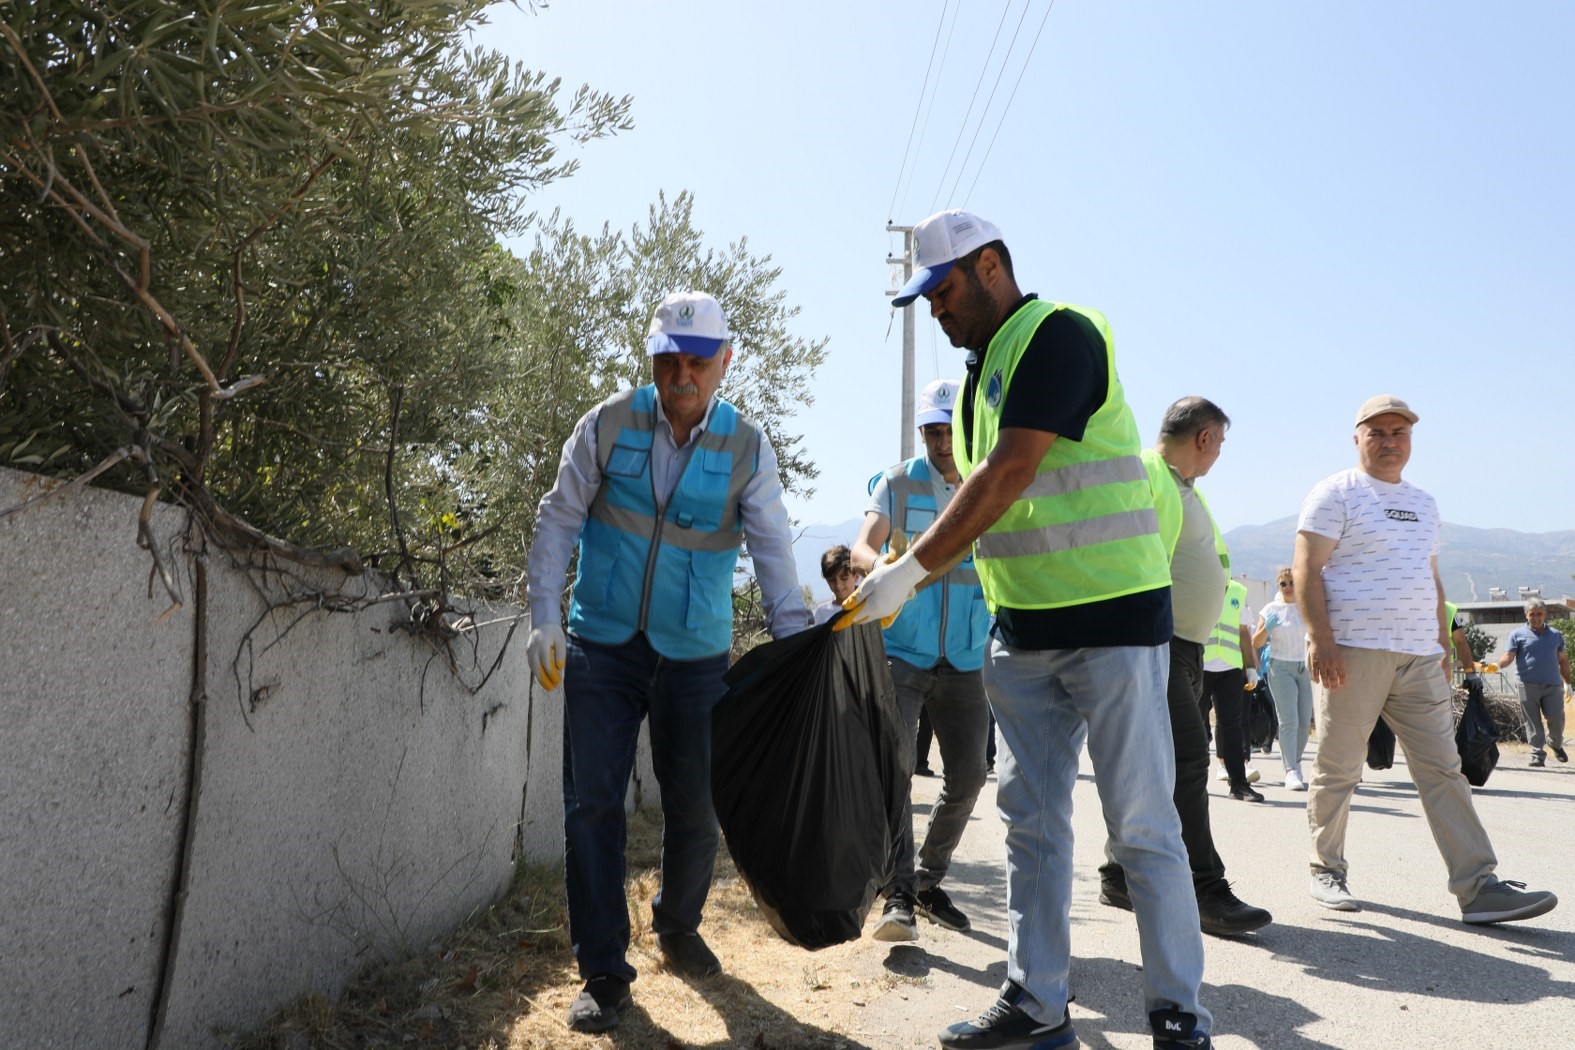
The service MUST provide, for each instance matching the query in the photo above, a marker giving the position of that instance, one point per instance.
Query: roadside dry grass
(505, 980)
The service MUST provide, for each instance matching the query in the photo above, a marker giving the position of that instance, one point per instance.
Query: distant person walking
(1280, 624)
(1543, 668)
(1067, 546)
(935, 650)
(1366, 569)
(656, 488)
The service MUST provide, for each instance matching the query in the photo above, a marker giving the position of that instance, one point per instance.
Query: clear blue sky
(1282, 207)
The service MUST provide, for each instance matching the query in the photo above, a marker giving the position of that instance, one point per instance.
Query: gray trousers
(960, 718)
(1538, 701)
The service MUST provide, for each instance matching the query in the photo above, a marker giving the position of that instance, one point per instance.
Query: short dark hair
(1190, 415)
(969, 262)
(834, 561)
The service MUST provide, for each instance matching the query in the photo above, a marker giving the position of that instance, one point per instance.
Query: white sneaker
(1294, 781)
(1252, 775)
(1220, 774)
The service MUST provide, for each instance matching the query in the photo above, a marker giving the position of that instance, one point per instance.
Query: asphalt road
(1402, 972)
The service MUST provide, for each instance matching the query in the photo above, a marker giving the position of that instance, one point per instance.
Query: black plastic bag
(1263, 721)
(1381, 746)
(1476, 736)
(806, 776)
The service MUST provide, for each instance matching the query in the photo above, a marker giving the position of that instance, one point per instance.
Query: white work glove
(1252, 679)
(884, 591)
(546, 650)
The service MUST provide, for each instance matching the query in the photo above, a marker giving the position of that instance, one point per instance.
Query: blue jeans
(607, 692)
(1046, 704)
(959, 718)
(1293, 706)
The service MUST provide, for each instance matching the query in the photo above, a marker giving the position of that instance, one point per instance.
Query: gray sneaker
(896, 920)
(1328, 889)
(1506, 902)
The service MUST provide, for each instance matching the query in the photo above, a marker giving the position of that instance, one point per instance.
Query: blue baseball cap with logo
(939, 242)
(687, 323)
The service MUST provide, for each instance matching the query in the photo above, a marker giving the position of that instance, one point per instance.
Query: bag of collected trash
(1264, 723)
(807, 780)
(1476, 736)
(1381, 746)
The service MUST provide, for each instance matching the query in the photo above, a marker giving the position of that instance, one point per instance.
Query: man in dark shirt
(1056, 503)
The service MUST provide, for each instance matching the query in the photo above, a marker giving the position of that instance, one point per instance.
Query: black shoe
(923, 771)
(1114, 893)
(1222, 914)
(1245, 793)
(896, 920)
(936, 906)
(1175, 1030)
(687, 955)
(1538, 760)
(1560, 754)
(595, 1009)
(1005, 1026)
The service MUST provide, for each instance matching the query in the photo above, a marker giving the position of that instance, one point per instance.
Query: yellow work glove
(546, 650)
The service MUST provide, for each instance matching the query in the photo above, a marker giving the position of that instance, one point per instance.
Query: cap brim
(923, 281)
(924, 419)
(693, 345)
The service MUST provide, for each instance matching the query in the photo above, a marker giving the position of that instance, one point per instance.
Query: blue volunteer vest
(667, 572)
(949, 618)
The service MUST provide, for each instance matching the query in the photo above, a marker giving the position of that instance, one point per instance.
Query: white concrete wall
(352, 796)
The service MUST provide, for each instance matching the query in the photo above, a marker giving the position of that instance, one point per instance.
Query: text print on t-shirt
(1400, 515)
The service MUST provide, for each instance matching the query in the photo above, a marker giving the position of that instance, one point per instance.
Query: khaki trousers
(1412, 695)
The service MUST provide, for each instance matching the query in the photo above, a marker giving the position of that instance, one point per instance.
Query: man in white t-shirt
(1367, 584)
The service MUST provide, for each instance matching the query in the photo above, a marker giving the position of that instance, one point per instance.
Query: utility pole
(906, 443)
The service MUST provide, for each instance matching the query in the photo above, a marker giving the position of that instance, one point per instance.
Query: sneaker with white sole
(1220, 773)
(936, 906)
(1294, 781)
(1177, 1030)
(1328, 889)
(1506, 902)
(896, 920)
(1007, 1026)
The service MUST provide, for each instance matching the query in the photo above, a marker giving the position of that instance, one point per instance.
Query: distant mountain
(1471, 560)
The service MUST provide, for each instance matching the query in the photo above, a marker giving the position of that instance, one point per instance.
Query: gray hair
(1536, 603)
(1190, 415)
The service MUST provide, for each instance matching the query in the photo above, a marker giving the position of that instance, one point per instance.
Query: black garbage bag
(806, 776)
(1263, 722)
(1381, 746)
(1476, 736)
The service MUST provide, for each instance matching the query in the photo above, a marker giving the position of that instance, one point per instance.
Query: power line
(918, 106)
(984, 161)
(1005, 10)
(983, 113)
(929, 109)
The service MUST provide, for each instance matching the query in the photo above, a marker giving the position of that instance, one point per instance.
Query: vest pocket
(627, 461)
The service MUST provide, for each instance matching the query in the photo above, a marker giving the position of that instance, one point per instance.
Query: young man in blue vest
(1056, 505)
(935, 650)
(656, 488)
(1191, 435)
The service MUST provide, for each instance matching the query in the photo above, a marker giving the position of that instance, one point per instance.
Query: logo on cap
(686, 315)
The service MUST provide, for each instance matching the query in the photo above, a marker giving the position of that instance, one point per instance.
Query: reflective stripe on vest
(948, 619)
(1084, 530)
(1225, 643)
(678, 559)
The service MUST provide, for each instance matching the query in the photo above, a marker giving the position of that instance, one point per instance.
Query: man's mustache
(682, 389)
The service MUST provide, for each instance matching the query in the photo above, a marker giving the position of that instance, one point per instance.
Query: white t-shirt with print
(1288, 637)
(1379, 577)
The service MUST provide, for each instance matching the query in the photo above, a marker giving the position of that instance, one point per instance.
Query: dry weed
(504, 981)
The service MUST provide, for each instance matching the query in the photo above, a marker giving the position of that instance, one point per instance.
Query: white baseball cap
(939, 242)
(935, 402)
(687, 323)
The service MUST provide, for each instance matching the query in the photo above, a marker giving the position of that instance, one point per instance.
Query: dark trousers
(1191, 794)
(608, 690)
(1224, 692)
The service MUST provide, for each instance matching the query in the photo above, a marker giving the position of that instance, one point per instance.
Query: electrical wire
(983, 113)
(984, 161)
(918, 106)
(925, 127)
(1005, 10)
